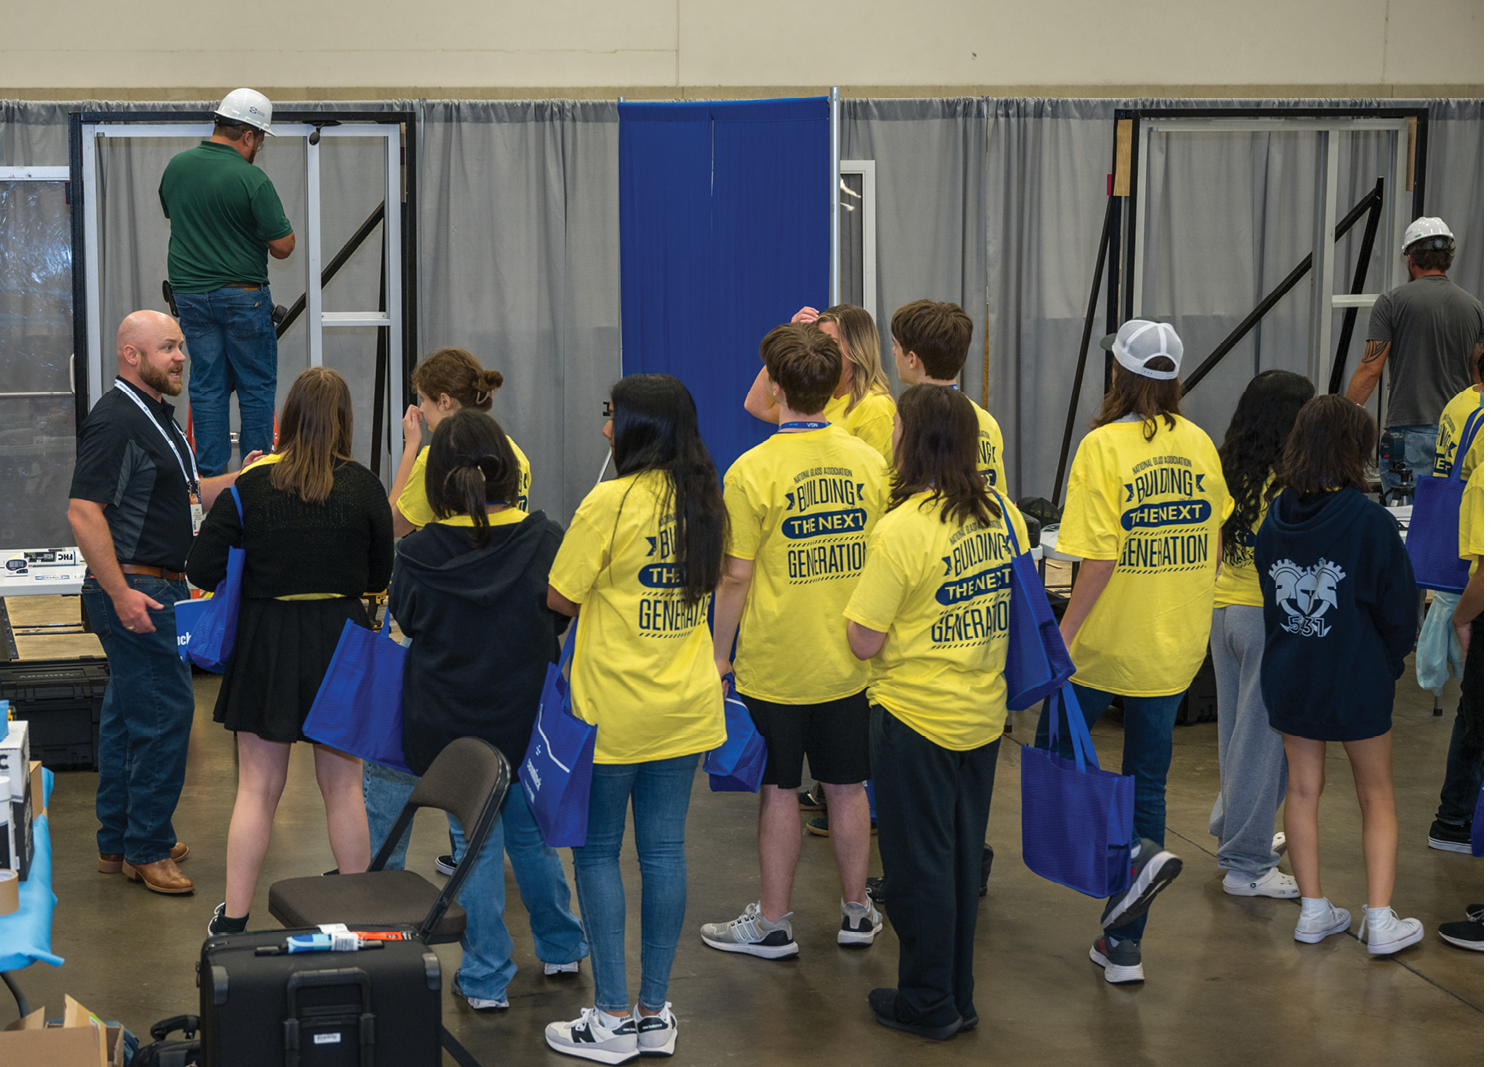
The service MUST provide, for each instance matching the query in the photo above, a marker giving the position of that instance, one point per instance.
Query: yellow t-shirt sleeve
(1471, 517)
(413, 504)
(875, 423)
(882, 589)
(745, 510)
(522, 503)
(1091, 523)
(1000, 456)
(583, 553)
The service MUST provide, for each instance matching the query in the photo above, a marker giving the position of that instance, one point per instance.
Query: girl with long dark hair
(469, 592)
(316, 536)
(1252, 763)
(638, 565)
(1144, 504)
(931, 613)
(1341, 611)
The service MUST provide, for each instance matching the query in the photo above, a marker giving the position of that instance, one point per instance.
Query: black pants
(932, 808)
(1465, 749)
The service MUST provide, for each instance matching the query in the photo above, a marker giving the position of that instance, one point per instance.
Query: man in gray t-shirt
(1426, 331)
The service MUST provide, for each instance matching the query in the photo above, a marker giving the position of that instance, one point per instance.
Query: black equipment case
(377, 1007)
(62, 699)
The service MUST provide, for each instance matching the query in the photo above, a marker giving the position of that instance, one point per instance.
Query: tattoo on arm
(1374, 351)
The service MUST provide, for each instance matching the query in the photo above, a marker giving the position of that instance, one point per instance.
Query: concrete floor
(1226, 983)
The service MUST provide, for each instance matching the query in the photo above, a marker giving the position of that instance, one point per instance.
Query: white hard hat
(1423, 228)
(249, 107)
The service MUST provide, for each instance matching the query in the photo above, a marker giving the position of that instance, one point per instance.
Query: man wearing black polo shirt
(135, 503)
(226, 218)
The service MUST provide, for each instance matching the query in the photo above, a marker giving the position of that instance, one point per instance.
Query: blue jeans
(1421, 451)
(487, 949)
(231, 342)
(144, 724)
(660, 791)
(1146, 755)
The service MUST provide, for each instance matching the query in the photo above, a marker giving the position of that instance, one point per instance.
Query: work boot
(113, 863)
(163, 876)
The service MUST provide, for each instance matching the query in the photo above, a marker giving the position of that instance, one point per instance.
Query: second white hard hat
(1424, 227)
(249, 107)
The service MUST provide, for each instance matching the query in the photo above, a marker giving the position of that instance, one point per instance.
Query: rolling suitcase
(377, 1007)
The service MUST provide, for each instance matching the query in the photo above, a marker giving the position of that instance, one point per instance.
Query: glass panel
(852, 269)
(38, 431)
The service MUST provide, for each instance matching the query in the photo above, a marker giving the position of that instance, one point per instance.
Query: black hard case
(372, 1008)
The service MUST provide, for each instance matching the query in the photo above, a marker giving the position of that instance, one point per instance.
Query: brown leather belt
(244, 285)
(154, 572)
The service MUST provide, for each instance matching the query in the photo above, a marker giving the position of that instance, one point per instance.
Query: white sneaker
(588, 1038)
(1389, 932)
(859, 923)
(481, 1003)
(1324, 924)
(753, 934)
(1271, 884)
(656, 1033)
(1279, 843)
(574, 967)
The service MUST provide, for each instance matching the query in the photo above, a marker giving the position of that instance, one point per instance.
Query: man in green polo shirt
(226, 220)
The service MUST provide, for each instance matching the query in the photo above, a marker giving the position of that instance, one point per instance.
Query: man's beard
(159, 380)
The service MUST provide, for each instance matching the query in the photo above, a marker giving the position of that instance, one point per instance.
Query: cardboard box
(82, 1040)
(38, 791)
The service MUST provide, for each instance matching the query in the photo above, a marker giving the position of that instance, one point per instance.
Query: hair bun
(489, 381)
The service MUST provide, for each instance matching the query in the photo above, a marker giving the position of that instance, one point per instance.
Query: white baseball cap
(1424, 227)
(249, 107)
(1141, 340)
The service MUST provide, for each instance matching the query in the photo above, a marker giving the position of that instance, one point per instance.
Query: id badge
(197, 513)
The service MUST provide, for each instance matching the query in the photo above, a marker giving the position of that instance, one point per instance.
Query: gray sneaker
(1122, 961)
(656, 1033)
(1152, 870)
(859, 924)
(590, 1039)
(753, 934)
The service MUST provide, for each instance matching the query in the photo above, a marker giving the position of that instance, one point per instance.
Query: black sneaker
(1475, 913)
(821, 827)
(876, 890)
(446, 865)
(809, 800)
(221, 924)
(884, 1005)
(1449, 838)
(1152, 870)
(1469, 935)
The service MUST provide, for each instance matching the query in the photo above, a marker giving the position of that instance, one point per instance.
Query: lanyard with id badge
(193, 480)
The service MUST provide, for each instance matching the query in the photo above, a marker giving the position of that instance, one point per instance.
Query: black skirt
(280, 654)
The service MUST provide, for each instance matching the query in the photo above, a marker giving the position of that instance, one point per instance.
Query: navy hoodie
(480, 634)
(1341, 614)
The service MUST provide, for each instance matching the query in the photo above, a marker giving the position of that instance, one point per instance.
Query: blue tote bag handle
(1037, 660)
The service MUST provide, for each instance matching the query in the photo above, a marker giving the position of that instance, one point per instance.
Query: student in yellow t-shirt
(1252, 762)
(931, 613)
(638, 564)
(930, 342)
(801, 505)
(1145, 500)
(1455, 417)
(447, 380)
(861, 403)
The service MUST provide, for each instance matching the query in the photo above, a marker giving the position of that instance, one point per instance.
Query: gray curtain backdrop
(979, 200)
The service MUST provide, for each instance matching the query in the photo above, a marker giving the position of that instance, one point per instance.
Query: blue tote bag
(360, 706)
(211, 634)
(737, 765)
(1076, 818)
(1037, 660)
(1432, 539)
(556, 773)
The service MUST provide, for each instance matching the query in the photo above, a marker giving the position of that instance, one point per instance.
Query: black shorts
(834, 735)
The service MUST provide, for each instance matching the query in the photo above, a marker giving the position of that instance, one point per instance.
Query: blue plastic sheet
(26, 935)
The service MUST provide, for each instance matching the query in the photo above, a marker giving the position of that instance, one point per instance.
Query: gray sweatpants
(1252, 761)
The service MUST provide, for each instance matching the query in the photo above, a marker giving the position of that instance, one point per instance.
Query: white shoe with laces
(591, 1039)
(1388, 932)
(656, 1033)
(1271, 884)
(1320, 920)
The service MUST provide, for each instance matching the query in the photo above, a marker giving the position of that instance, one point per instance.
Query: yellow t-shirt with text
(1471, 517)
(1155, 507)
(941, 593)
(644, 671)
(870, 420)
(992, 468)
(801, 507)
(1450, 433)
(414, 505)
(1238, 582)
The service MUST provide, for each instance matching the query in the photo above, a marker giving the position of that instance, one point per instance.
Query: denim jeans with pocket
(660, 795)
(487, 948)
(1146, 755)
(144, 725)
(232, 346)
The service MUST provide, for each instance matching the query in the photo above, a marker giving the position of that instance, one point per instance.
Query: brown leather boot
(113, 863)
(163, 876)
